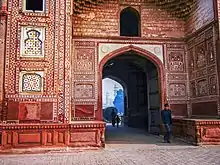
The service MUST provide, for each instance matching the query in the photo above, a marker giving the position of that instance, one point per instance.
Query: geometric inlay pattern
(177, 90)
(176, 62)
(31, 82)
(84, 91)
(32, 41)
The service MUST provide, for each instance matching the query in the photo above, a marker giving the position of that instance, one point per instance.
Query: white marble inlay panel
(106, 48)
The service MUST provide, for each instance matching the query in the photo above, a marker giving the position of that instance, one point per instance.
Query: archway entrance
(113, 93)
(142, 74)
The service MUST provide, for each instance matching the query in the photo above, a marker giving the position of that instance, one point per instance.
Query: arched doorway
(113, 93)
(142, 73)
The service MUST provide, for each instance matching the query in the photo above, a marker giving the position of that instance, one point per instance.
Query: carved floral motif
(176, 62)
(212, 85)
(177, 90)
(193, 89)
(202, 87)
(210, 51)
(85, 59)
(191, 60)
(201, 57)
(84, 91)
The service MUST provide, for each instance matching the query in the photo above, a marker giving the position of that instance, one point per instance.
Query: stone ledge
(77, 124)
(75, 134)
(197, 131)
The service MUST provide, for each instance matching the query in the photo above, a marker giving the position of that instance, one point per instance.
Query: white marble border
(106, 48)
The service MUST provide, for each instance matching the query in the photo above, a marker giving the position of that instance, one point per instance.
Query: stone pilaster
(3, 18)
(217, 45)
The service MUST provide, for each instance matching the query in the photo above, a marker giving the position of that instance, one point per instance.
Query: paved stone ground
(124, 147)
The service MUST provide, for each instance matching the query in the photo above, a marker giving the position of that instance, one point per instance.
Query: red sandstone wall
(202, 60)
(3, 17)
(202, 15)
(84, 78)
(176, 78)
(18, 103)
(104, 21)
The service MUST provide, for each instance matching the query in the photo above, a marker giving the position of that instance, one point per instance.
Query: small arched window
(129, 22)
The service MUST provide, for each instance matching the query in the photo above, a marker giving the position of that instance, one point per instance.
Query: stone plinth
(75, 134)
(198, 131)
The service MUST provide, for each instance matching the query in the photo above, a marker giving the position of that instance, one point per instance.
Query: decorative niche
(31, 82)
(32, 41)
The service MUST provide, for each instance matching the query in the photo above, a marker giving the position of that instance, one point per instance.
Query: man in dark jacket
(167, 121)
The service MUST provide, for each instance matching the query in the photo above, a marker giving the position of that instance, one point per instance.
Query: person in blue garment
(166, 117)
(119, 101)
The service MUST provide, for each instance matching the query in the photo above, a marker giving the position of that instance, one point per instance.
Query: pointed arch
(144, 53)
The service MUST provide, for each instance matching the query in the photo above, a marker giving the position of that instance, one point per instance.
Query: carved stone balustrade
(198, 131)
(77, 134)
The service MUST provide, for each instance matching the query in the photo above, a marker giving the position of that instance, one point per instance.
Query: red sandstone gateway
(55, 55)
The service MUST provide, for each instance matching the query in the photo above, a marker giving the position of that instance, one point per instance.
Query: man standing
(167, 121)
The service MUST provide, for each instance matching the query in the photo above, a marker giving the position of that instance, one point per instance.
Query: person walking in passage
(117, 118)
(113, 114)
(167, 121)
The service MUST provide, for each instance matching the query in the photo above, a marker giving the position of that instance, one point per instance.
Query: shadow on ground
(128, 135)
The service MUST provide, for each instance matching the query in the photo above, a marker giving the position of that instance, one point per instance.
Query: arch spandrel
(108, 48)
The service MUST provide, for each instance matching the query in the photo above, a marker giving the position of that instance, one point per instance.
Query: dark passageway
(142, 99)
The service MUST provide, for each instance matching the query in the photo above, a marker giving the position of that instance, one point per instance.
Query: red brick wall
(99, 21)
(202, 67)
(159, 23)
(202, 59)
(201, 16)
(15, 64)
(104, 21)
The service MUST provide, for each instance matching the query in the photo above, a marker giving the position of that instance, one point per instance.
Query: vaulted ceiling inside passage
(179, 8)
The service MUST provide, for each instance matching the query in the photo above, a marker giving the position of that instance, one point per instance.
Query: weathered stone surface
(63, 84)
(197, 131)
(76, 134)
(134, 147)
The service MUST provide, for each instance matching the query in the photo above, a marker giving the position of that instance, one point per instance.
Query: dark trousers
(167, 135)
(117, 123)
(113, 122)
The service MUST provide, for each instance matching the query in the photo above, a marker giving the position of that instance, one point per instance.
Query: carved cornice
(208, 122)
(77, 125)
(197, 122)
(91, 125)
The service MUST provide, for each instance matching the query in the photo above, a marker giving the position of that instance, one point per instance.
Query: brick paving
(124, 147)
